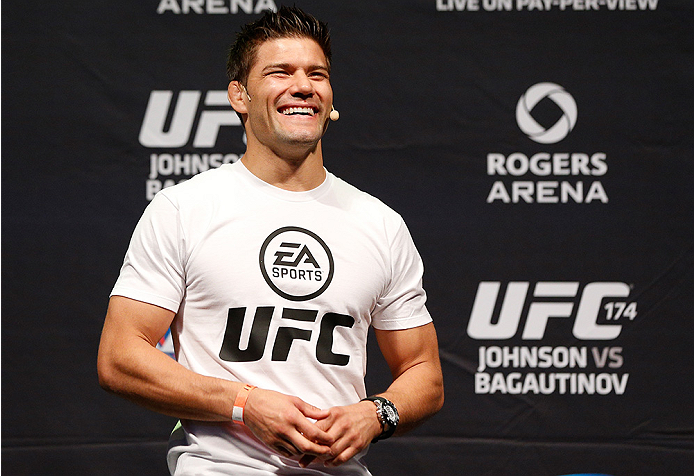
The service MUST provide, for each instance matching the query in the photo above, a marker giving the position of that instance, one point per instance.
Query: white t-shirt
(272, 288)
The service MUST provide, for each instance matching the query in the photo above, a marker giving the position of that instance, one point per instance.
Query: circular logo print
(531, 127)
(296, 263)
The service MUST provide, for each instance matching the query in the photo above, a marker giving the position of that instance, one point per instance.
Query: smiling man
(290, 79)
(270, 272)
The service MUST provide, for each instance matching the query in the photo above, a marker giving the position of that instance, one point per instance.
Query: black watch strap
(387, 415)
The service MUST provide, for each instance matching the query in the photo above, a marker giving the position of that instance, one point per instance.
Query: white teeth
(298, 110)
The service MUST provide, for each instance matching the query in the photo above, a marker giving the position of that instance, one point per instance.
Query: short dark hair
(286, 22)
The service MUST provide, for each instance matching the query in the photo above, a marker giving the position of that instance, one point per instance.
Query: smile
(305, 111)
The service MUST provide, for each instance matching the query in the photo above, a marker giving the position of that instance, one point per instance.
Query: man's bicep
(403, 349)
(127, 318)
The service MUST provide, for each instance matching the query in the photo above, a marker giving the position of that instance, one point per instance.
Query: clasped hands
(286, 424)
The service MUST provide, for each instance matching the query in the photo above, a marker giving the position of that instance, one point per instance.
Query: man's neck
(298, 174)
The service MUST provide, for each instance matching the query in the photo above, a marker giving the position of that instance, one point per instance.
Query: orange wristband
(240, 404)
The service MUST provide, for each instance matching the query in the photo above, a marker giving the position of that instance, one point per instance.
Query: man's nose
(302, 85)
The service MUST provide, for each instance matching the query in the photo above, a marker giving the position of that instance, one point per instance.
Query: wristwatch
(387, 416)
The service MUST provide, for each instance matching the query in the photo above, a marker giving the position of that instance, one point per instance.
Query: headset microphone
(243, 88)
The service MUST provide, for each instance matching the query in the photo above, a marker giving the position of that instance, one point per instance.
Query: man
(270, 272)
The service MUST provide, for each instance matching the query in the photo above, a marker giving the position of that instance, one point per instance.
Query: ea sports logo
(296, 263)
(535, 130)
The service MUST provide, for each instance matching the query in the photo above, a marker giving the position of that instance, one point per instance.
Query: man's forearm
(417, 394)
(143, 374)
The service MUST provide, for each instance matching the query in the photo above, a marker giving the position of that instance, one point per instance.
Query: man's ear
(237, 97)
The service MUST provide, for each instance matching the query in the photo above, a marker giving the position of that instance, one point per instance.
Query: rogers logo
(531, 127)
(296, 263)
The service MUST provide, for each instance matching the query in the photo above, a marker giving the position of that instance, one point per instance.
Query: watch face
(391, 415)
(387, 416)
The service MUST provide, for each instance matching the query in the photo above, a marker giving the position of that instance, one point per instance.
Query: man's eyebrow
(289, 66)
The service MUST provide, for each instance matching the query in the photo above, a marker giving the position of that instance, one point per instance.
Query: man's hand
(351, 428)
(281, 422)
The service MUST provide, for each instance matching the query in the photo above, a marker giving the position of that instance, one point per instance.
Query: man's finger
(307, 447)
(310, 411)
(343, 457)
(314, 434)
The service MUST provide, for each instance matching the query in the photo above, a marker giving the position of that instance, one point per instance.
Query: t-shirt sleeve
(403, 304)
(153, 269)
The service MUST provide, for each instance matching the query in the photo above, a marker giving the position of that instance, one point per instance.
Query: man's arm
(417, 388)
(416, 391)
(130, 365)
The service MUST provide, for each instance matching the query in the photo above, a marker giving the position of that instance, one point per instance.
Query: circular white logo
(296, 263)
(531, 127)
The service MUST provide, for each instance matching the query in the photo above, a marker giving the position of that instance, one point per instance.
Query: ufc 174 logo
(286, 335)
(551, 300)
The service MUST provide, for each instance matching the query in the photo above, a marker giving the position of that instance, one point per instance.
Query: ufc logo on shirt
(285, 337)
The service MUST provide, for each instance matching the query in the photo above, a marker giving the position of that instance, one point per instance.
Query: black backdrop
(541, 153)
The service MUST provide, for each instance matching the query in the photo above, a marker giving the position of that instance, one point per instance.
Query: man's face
(290, 92)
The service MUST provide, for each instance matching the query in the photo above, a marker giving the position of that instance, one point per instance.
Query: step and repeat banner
(541, 152)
